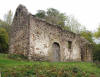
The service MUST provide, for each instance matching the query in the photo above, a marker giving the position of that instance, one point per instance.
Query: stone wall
(19, 32)
(40, 40)
(43, 35)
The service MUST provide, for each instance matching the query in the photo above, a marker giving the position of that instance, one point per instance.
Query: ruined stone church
(43, 41)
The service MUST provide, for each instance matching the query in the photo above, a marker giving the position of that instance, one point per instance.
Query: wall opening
(55, 52)
(82, 54)
(69, 44)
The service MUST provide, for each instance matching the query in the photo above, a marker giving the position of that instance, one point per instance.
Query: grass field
(15, 66)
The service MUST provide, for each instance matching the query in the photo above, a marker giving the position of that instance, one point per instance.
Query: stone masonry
(43, 41)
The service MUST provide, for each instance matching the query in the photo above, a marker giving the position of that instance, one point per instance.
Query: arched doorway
(83, 53)
(56, 52)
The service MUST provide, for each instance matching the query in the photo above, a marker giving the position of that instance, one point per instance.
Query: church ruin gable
(43, 41)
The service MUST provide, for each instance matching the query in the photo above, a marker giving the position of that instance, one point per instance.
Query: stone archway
(55, 52)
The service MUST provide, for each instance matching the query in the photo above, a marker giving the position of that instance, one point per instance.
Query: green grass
(18, 67)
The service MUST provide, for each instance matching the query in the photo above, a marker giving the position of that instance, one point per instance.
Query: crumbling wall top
(23, 10)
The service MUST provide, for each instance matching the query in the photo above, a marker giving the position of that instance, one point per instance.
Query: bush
(96, 52)
(97, 63)
(76, 70)
(17, 57)
(3, 41)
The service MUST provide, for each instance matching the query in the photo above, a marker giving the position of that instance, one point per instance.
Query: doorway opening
(56, 52)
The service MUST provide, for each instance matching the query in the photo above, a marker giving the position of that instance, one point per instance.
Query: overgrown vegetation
(96, 52)
(10, 67)
(4, 32)
(3, 41)
(61, 19)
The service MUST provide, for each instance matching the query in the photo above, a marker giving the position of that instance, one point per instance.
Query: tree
(8, 17)
(41, 14)
(53, 16)
(4, 25)
(97, 34)
(73, 24)
(97, 46)
(4, 29)
(96, 52)
(3, 40)
(87, 35)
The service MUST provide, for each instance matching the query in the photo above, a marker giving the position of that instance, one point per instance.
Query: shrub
(75, 70)
(17, 57)
(97, 63)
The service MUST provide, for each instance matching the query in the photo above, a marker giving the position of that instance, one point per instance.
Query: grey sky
(87, 12)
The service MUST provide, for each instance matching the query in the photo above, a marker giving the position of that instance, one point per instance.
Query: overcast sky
(87, 12)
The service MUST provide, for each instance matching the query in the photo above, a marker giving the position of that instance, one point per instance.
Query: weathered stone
(43, 41)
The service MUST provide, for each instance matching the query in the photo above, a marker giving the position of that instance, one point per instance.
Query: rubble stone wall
(43, 35)
(19, 32)
(42, 41)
